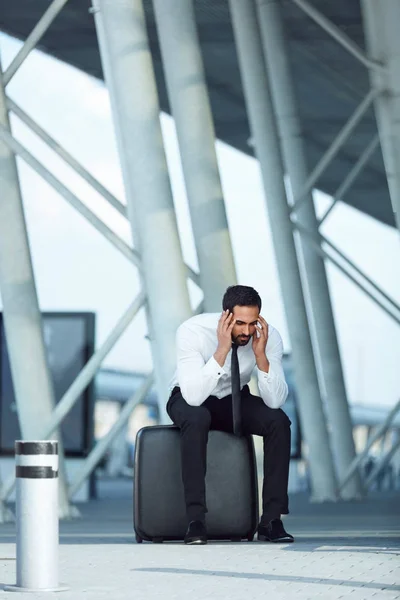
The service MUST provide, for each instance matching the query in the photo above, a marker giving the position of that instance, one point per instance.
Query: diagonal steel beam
(381, 26)
(382, 429)
(334, 148)
(359, 272)
(102, 445)
(36, 34)
(352, 175)
(83, 379)
(74, 391)
(337, 34)
(6, 516)
(383, 462)
(129, 253)
(316, 240)
(66, 156)
(89, 370)
(39, 168)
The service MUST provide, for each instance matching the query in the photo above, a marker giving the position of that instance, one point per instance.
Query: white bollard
(37, 517)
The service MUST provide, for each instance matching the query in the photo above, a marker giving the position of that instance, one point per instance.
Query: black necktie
(236, 397)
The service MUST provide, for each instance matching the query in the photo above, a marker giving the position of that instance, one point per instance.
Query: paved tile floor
(346, 551)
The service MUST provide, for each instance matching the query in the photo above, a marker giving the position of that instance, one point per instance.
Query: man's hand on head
(260, 339)
(224, 334)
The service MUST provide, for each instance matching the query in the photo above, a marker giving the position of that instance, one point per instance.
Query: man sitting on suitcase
(216, 355)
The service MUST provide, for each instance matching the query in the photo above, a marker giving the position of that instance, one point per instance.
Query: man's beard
(241, 340)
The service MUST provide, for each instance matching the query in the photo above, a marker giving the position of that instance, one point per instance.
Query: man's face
(245, 324)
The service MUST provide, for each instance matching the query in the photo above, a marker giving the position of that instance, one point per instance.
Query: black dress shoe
(274, 532)
(196, 533)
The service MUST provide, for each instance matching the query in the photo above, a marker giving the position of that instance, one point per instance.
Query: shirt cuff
(263, 376)
(213, 369)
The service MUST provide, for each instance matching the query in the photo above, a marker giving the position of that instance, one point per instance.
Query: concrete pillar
(190, 105)
(23, 325)
(265, 135)
(129, 76)
(381, 26)
(326, 346)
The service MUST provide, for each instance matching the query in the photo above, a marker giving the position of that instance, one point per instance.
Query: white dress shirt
(199, 375)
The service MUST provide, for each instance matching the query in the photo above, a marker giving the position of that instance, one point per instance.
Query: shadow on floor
(270, 577)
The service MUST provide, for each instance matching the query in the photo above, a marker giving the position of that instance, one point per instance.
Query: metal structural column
(265, 135)
(33, 387)
(190, 105)
(325, 339)
(129, 75)
(381, 26)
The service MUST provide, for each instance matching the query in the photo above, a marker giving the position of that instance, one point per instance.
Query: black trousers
(196, 421)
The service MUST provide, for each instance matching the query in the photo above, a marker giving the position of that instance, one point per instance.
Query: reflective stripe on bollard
(36, 474)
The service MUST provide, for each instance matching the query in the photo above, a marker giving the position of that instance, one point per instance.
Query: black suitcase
(231, 486)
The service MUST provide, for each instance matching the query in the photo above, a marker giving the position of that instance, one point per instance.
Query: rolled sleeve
(272, 385)
(197, 378)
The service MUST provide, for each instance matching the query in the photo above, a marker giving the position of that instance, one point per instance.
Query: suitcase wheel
(158, 540)
(250, 537)
(139, 540)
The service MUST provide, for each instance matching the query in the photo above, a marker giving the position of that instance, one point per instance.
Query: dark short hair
(240, 295)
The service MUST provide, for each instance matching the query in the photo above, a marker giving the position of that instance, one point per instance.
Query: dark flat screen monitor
(69, 339)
